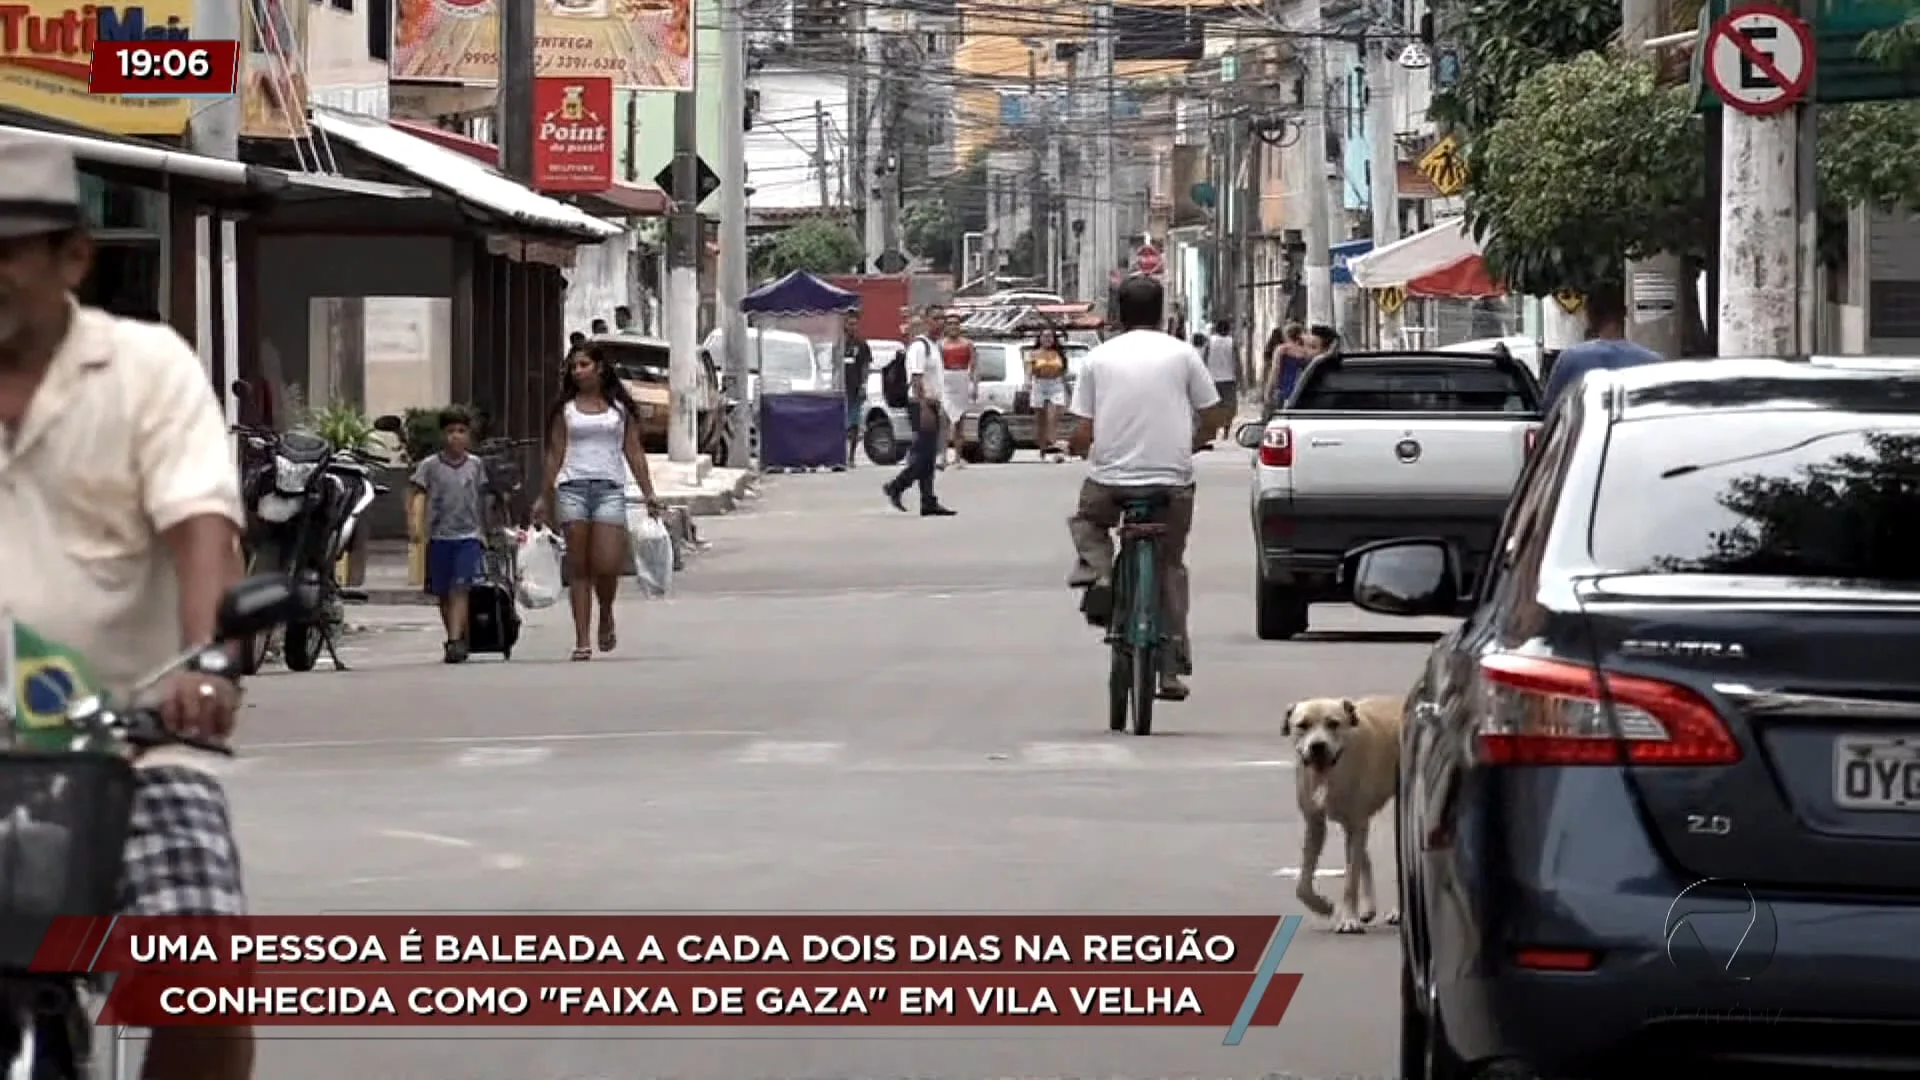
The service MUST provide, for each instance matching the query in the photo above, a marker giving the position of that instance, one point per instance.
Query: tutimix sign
(46, 48)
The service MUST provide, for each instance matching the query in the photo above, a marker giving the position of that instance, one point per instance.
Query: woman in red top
(961, 383)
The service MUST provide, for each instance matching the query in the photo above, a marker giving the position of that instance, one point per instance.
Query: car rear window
(1416, 386)
(1765, 493)
(638, 362)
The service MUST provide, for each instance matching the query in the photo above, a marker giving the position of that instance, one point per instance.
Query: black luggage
(493, 619)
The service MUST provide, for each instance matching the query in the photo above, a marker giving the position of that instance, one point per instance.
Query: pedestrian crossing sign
(1445, 167)
(1391, 299)
(1570, 300)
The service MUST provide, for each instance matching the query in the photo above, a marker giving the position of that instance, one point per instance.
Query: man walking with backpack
(930, 413)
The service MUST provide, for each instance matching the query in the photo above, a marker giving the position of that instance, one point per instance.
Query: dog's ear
(1286, 720)
(1353, 714)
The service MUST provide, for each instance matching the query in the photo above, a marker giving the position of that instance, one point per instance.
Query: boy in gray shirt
(452, 483)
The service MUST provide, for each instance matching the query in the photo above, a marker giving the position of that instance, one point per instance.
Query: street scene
(645, 436)
(842, 708)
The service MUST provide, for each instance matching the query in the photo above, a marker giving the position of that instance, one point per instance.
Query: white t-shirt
(1220, 364)
(923, 363)
(1141, 390)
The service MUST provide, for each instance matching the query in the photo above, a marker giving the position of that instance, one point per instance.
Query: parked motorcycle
(304, 500)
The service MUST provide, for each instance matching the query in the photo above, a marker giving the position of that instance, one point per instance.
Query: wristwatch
(216, 663)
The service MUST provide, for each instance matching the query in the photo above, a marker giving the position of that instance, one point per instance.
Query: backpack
(893, 381)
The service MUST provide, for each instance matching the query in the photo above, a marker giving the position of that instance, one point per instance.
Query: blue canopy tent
(800, 429)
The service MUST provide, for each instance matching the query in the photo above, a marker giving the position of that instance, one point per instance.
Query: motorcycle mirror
(389, 423)
(257, 605)
(241, 388)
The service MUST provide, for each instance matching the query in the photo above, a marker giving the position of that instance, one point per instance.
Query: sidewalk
(697, 489)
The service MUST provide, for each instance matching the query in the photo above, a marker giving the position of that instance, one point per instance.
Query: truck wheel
(882, 448)
(1279, 612)
(995, 440)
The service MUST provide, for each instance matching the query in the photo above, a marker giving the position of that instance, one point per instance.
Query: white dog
(1348, 771)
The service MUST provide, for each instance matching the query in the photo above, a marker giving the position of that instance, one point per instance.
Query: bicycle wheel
(1143, 634)
(1120, 667)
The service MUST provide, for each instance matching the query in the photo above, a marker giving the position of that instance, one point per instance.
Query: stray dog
(1348, 771)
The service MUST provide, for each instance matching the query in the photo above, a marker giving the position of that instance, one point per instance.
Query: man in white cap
(122, 513)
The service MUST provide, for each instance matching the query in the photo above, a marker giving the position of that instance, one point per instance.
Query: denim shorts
(603, 502)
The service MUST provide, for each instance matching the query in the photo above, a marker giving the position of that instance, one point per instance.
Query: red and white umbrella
(1444, 261)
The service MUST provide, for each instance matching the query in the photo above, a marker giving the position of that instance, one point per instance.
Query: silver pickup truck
(1373, 446)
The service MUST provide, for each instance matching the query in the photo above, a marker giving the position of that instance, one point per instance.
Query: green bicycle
(1135, 632)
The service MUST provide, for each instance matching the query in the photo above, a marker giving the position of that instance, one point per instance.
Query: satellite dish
(1415, 56)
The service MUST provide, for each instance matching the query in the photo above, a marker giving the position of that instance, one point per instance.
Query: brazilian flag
(45, 678)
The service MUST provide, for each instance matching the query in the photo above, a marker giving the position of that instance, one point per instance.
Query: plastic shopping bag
(538, 561)
(652, 551)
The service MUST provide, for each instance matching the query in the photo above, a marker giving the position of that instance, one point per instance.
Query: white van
(781, 360)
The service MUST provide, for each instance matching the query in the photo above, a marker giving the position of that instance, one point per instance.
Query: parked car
(1376, 445)
(886, 427)
(643, 363)
(1001, 419)
(1659, 799)
(780, 361)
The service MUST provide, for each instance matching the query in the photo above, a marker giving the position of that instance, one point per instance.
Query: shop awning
(234, 176)
(1443, 261)
(638, 200)
(461, 177)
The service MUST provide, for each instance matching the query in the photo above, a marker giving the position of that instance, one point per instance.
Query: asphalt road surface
(843, 709)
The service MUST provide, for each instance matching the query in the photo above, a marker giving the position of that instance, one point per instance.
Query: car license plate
(1876, 772)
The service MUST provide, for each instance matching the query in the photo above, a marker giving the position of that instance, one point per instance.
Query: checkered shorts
(181, 855)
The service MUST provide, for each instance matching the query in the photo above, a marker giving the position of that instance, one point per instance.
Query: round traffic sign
(1760, 59)
(1147, 260)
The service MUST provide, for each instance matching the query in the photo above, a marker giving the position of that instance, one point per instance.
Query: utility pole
(513, 103)
(1075, 187)
(1038, 119)
(1102, 217)
(1654, 312)
(1812, 280)
(215, 127)
(1313, 144)
(733, 228)
(215, 132)
(870, 69)
(683, 280)
(1383, 185)
(820, 150)
(1759, 233)
(861, 112)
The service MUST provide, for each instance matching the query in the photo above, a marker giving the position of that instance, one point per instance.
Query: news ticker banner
(1219, 971)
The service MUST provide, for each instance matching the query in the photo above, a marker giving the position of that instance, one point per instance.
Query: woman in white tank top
(591, 446)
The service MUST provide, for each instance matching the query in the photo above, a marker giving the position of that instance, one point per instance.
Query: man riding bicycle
(1138, 399)
(122, 510)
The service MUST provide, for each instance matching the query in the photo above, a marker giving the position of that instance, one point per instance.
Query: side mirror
(1404, 577)
(257, 605)
(390, 424)
(1249, 435)
(241, 388)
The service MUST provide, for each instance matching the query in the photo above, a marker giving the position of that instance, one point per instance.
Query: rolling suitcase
(493, 619)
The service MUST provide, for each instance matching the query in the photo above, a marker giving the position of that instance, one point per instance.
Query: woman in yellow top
(1047, 378)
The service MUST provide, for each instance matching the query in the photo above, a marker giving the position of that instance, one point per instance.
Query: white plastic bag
(538, 562)
(652, 551)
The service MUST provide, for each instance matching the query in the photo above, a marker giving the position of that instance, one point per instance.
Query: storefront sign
(46, 50)
(639, 44)
(572, 134)
(273, 80)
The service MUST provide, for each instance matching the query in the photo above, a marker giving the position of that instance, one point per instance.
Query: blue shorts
(856, 413)
(603, 502)
(453, 565)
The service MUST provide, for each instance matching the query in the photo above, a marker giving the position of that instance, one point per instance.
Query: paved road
(845, 708)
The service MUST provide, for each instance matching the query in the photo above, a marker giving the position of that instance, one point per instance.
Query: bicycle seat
(1143, 528)
(1148, 504)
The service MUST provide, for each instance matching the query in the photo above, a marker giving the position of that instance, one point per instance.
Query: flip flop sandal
(609, 640)
(582, 654)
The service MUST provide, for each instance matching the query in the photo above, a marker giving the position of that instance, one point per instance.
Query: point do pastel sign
(572, 134)
(639, 44)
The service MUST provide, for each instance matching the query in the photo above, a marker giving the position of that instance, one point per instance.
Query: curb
(712, 503)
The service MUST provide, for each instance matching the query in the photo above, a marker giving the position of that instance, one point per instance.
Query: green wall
(648, 143)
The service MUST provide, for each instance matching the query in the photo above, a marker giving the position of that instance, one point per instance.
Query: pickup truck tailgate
(1470, 457)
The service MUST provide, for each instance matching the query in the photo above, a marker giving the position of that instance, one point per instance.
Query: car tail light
(1276, 448)
(1533, 438)
(1551, 712)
